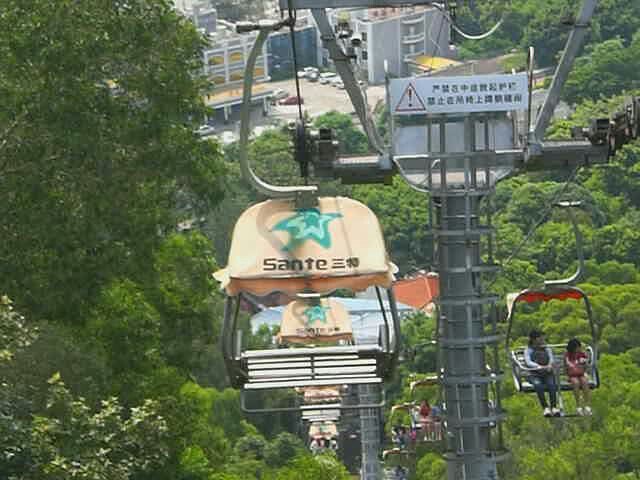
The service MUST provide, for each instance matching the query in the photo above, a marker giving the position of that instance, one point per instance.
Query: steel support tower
(464, 311)
(370, 432)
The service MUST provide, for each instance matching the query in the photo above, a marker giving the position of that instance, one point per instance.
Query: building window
(365, 55)
(364, 36)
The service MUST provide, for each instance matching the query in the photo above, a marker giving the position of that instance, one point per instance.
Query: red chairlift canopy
(538, 296)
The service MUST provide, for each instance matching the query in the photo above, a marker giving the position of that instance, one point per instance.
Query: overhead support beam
(310, 4)
(343, 67)
(574, 44)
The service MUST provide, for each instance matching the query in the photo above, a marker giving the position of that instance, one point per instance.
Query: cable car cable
(301, 135)
(462, 33)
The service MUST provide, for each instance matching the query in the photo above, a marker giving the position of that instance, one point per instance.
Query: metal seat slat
(251, 361)
(337, 379)
(313, 351)
(262, 376)
(312, 383)
(316, 363)
(276, 365)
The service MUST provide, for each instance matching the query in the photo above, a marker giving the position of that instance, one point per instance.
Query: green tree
(403, 215)
(190, 314)
(282, 449)
(352, 140)
(306, 467)
(606, 70)
(71, 441)
(96, 145)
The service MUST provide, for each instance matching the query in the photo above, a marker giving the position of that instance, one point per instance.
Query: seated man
(539, 358)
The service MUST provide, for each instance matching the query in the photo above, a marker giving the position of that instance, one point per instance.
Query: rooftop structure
(400, 36)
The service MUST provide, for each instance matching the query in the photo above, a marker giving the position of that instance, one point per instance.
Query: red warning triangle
(410, 101)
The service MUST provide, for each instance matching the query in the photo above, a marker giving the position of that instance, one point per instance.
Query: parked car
(205, 130)
(327, 77)
(228, 137)
(292, 100)
(279, 94)
(313, 76)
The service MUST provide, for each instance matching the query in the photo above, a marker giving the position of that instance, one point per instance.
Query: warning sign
(478, 93)
(410, 101)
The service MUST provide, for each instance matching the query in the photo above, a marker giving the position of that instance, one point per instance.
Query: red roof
(418, 292)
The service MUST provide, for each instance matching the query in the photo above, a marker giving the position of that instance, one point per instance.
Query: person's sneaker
(580, 411)
(587, 411)
(556, 412)
(547, 412)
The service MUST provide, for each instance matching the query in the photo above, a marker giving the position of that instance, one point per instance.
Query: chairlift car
(436, 426)
(305, 247)
(323, 435)
(307, 254)
(563, 289)
(398, 463)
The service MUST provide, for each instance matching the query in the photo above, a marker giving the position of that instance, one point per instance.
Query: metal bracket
(572, 48)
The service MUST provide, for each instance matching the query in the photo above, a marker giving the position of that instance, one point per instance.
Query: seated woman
(539, 358)
(575, 361)
(426, 421)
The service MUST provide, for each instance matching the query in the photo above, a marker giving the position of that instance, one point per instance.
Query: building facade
(226, 56)
(224, 65)
(308, 49)
(406, 38)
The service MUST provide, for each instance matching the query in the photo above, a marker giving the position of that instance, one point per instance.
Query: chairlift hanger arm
(274, 191)
(580, 251)
(342, 63)
(572, 48)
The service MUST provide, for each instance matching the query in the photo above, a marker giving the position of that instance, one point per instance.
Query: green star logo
(307, 224)
(315, 314)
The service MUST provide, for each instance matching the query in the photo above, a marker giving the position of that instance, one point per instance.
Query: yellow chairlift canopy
(336, 244)
(320, 394)
(304, 322)
(327, 430)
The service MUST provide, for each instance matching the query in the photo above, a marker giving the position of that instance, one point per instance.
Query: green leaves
(100, 102)
(608, 69)
(70, 440)
(15, 333)
(352, 140)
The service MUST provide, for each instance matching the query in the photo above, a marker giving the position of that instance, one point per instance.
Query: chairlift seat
(521, 372)
(329, 412)
(306, 367)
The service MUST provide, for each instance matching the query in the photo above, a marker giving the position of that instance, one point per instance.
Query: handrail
(273, 191)
(579, 249)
